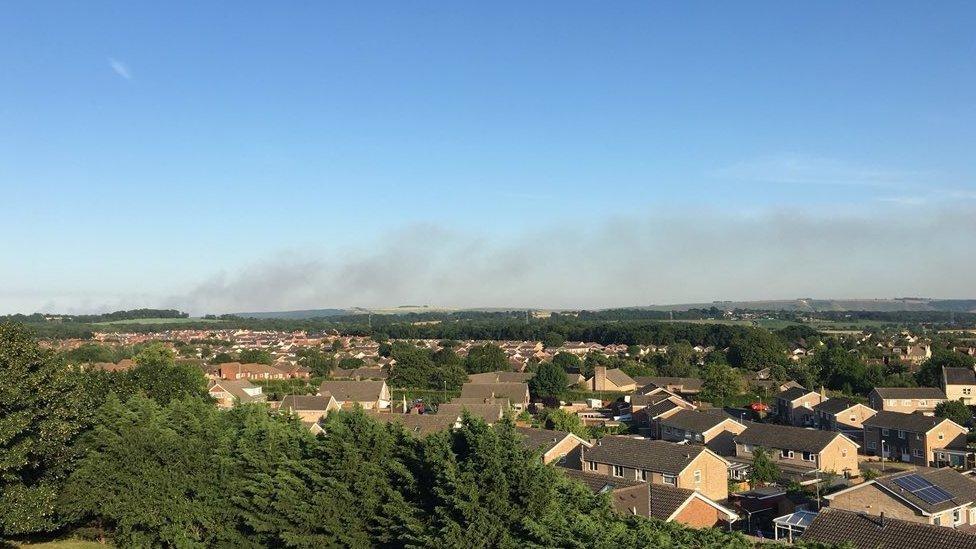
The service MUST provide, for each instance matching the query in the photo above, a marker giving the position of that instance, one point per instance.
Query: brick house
(555, 446)
(862, 531)
(844, 415)
(909, 495)
(906, 400)
(227, 392)
(613, 379)
(367, 394)
(959, 384)
(681, 465)
(308, 408)
(917, 438)
(516, 393)
(794, 406)
(715, 430)
(800, 453)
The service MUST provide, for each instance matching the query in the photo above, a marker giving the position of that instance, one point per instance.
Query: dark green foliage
(679, 361)
(755, 350)
(839, 369)
(956, 411)
(930, 373)
(486, 358)
(567, 361)
(221, 358)
(259, 356)
(41, 414)
(553, 340)
(764, 469)
(90, 353)
(414, 366)
(548, 381)
(319, 363)
(720, 383)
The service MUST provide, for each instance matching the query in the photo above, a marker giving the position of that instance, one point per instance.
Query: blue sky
(173, 154)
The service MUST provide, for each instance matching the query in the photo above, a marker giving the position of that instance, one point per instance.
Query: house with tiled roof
(659, 501)
(516, 393)
(490, 412)
(800, 453)
(959, 384)
(794, 406)
(682, 386)
(943, 497)
(555, 446)
(714, 429)
(681, 465)
(367, 394)
(844, 415)
(918, 439)
(250, 370)
(500, 377)
(906, 400)
(612, 379)
(420, 425)
(864, 531)
(308, 408)
(227, 393)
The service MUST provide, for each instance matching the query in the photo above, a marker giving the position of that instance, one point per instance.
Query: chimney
(600, 378)
(882, 519)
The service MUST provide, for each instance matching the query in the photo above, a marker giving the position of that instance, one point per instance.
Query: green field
(159, 321)
(65, 544)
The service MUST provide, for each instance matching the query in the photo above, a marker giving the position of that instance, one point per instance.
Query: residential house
(864, 531)
(683, 386)
(555, 446)
(800, 453)
(370, 395)
(906, 400)
(648, 410)
(490, 412)
(844, 415)
(236, 370)
(660, 501)
(500, 377)
(310, 409)
(917, 438)
(613, 379)
(681, 465)
(714, 429)
(944, 497)
(420, 425)
(227, 392)
(516, 393)
(960, 384)
(794, 406)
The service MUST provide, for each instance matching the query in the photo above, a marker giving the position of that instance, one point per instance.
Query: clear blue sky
(146, 149)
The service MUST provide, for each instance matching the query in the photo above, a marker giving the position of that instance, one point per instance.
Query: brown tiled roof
(785, 437)
(637, 453)
(794, 393)
(686, 383)
(961, 487)
(654, 410)
(619, 378)
(597, 483)
(959, 376)
(236, 389)
(910, 392)
(500, 377)
(304, 403)
(515, 392)
(837, 526)
(488, 412)
(542, 439)
(353, 391)
(695, 421)
(834, 405)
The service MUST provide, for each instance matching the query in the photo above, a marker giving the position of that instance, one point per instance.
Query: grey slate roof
(500, 377)
(418, 424)
(915, 423)
(961, 487)
(304, 402)
(654, 410)
(695, 421)
(653, 455)
(353, 391)
(928, 393)
(517, 393)
(597, 483)
(687, 383)
(793, 393)
(488, 412)
(663, 500)
(866, 532)
(785, 437)
(834, 405)
(959, 376)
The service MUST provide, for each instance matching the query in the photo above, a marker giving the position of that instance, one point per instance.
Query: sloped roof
(910, 392)
(597, 483)
(619, 378)
(915, 423)
(301, 403)
(837, 526)
(236, 389)
(515, 392)
(637, 453)
(418, 424)
(695, 421)
(835, 405)
(794, 393)
(542, 439)
(488, 412)
(959, 376)
(686, 383)
(961, 487)
(500, 377)
(353, 391)
(785, 437)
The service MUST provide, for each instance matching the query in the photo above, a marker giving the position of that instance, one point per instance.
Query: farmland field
(159, 321)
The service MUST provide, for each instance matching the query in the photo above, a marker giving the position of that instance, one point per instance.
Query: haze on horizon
(552, 155)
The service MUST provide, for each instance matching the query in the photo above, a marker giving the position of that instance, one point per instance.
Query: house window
(918, 436)
(843, 452)
(957, 516)
(906, 402)
(788, 454)
(591, 465)
(885, 432)
(916, 452)
(697, 476)
(890, 402)
(807, 456)
(921, 403)
(872, 445)
(941, 435)
(901, 434)
(670, 479)
(642, 475)
(618, 471)
(966, 391)
(937, 520)
(853, 418)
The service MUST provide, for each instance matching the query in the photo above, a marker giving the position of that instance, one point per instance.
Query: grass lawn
(66, 544)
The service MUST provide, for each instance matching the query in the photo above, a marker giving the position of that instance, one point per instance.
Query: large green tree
(548, 381)
(41, 414)
(486, 358)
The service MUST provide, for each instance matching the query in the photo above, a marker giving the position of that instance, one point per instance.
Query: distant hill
(308, 313)
(822, 305)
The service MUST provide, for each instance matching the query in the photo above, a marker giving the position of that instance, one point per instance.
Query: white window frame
(671, 480)
(615, 470)
(697, 476)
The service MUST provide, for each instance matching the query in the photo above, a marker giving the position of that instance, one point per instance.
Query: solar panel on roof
(923, 489)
